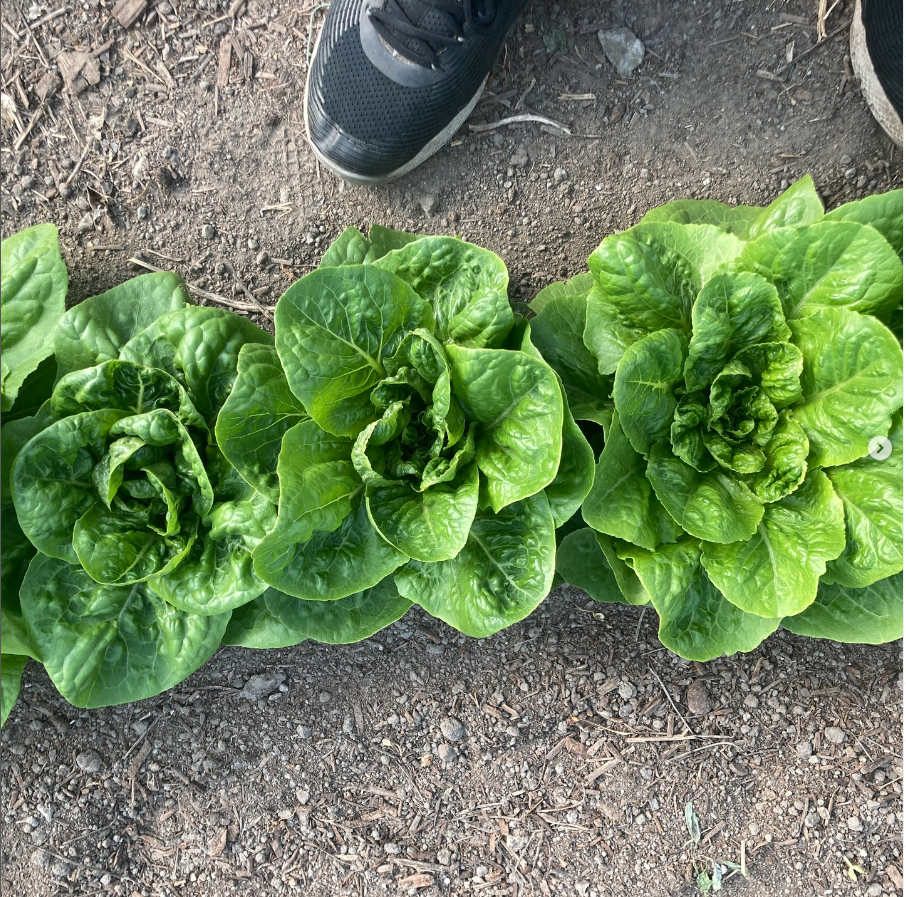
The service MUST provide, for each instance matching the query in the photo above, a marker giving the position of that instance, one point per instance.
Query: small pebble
(452, 729)
(834, 735)
(854, 824)
(627, 691)
(209, 232)
(750, 701)
(804, 750)
(698, 699)
(89, 761)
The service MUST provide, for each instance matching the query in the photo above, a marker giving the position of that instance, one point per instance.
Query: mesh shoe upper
(883, 21)
(370, 113)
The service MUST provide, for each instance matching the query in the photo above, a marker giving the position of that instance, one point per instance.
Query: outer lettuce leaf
(256, 415)
(697, 622)
(869, 616)
(105, 644)
(622, 502)
(34, 392)
(831, 264)
(276, 620)
(581, 563)
(883, 212)
(33, 284)
(350, 248)
(11, 668)
(776, 573)
(499, 578)
(557, 331)
(335, 329)
(516, 400)
(382, 240)
(465, 285)
(323, 546)
(872, 494)
(647, 279)
(799, 205)
(97, 329)
(852, 382)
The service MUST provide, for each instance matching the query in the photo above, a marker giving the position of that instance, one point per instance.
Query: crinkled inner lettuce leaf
(465, 285)
(647, 279)
(323, 546)
(350, 248)
(33, 284)
(275, 620)
(97, 329)
(200, 348)
(869, 616)
(110, 644)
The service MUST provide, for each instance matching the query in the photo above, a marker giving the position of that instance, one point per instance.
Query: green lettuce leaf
(557, 331)
(732, 312)
(831, 264)
(581, 563)
(97, 329)
(335, 329)
(464, 284)
(696, 621)
(883, 212)
(647, 279)
(868, 616)
(200, 348)
(33, 284)
(872, 495)
(275, 620)
(644, 385)
(382, 240)
(350, 248)
(11, 668)
(500, 577)
(323, 546)
(776, 572)
(517, 402)
(622, 502)
(852, 382)
(256, 415)
(108, 644)
(713, 506)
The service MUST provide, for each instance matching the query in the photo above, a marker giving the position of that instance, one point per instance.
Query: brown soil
(581, 739)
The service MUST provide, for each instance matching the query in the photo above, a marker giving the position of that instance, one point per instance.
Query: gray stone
(452, 729)
(89, 761)
(804, 750)
(624, 51)
(446, 752)
(627, 691)
(698, 699)
(259, 687)
(834, 735)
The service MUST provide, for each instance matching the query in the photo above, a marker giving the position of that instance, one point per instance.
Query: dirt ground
(555, 758)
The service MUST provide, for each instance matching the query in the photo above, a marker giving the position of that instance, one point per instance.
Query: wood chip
(138, 759)
(79, 70)
(224, 57)
(418, 880)
(127, 12)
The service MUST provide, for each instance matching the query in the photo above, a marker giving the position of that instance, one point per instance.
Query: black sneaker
(391, 81)
(876, 49)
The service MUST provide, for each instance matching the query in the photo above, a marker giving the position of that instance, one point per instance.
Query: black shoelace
(423, 43)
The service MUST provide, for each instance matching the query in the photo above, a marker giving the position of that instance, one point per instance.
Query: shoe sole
(881, 108)
(425, 153)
